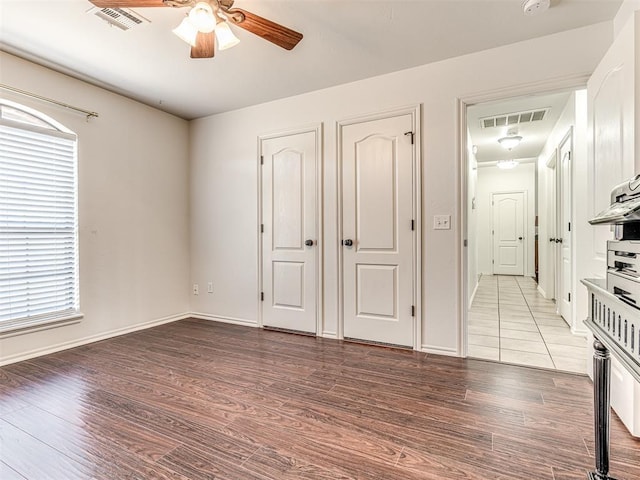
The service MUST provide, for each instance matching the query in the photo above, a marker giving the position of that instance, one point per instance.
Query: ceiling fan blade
(205, 46)
(282, 36)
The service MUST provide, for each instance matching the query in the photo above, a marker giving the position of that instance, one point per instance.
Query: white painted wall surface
(472, 222)
(491, 180)
(224, 217)
(133, 208)
(620, 60)
(573, 116)
(545, 203)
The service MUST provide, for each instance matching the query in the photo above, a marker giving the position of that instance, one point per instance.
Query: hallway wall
(473, 273)
(491, 180)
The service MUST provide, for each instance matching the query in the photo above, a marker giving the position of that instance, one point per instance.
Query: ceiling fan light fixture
(225, 37)
(507, 164)
(187, 31)
(510, 141)
(201, 15)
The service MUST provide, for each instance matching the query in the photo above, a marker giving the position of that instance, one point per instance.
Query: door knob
(308, 243)
(552, 240)
(558, 240)
(519, 238)
(348, 242)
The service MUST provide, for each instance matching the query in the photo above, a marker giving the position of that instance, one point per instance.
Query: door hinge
(569, 226)
(412, 135)
(465, 242)
(493, 262)
(493, 232)
(261, 159)
(262, 228)
(262, 296)
(569, 296)
(413, 310)
(413, 224)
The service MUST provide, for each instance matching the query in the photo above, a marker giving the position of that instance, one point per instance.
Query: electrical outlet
(210, 287)
(442, 222)
(196, 289)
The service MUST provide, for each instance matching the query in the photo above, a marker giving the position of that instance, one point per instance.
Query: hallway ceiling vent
(123, 18)
(517, 118)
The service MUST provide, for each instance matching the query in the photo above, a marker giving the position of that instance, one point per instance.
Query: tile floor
(509, 321)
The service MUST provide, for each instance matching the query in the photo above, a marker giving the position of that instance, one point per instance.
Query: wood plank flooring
(202, 400)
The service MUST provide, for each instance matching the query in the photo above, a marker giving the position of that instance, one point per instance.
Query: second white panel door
(508, 233)
(377, 209)
(564, 229)
(289, 239)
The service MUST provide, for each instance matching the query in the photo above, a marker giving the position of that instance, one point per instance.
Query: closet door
(289, 232)
(377, 213)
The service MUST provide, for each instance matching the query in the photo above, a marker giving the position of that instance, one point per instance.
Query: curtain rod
(49, 100)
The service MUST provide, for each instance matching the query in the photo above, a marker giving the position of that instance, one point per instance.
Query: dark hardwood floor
(203, 400)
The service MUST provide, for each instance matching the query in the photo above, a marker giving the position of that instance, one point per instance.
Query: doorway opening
(519, 257)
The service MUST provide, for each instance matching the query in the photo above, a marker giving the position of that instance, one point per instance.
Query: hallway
(509, 321)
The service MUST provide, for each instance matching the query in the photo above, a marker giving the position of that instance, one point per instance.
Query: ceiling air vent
(123, 18)
(510, 119)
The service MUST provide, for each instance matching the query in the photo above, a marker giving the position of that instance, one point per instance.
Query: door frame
(570, 82)
(525, 230)
(415, 112)
(316, 128)
(567, 138)
(552, 257)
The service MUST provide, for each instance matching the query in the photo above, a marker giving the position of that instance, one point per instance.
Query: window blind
(38, 225)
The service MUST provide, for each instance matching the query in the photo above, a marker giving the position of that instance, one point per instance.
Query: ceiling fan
(207, 20)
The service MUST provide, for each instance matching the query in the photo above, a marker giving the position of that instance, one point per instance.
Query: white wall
(472, 222)
(224, 174)
(491, 180)
(573, 118)
(546, 204)
(612, 159)
(133, 209)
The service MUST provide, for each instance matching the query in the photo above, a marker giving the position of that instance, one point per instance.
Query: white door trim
(525, 210)
(318, 130)
(573, 82)
(415, 112)
(568, 138)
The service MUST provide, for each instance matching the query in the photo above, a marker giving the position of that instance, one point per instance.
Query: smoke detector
(534, 7)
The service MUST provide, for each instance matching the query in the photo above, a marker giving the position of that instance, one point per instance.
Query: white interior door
(552, 223)
(508, 233)
(564, 248)
(289, 237)
(377, 220)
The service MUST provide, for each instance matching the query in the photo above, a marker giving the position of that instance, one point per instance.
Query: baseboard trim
(473, 294)
(231, 320)
(91, 339)
(542, 292)
(582, 332)
(449, 352)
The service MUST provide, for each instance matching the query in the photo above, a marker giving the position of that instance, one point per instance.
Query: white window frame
(57, 316)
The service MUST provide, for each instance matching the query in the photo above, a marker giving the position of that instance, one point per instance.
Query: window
(38, 220)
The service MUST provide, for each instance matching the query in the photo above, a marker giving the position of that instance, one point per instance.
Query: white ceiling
(344, 41)
(534, 134)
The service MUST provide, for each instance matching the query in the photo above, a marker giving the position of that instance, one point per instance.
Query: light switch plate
(442, 222)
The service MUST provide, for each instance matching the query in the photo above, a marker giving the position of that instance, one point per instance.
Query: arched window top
(38, 220)
(14, 112)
